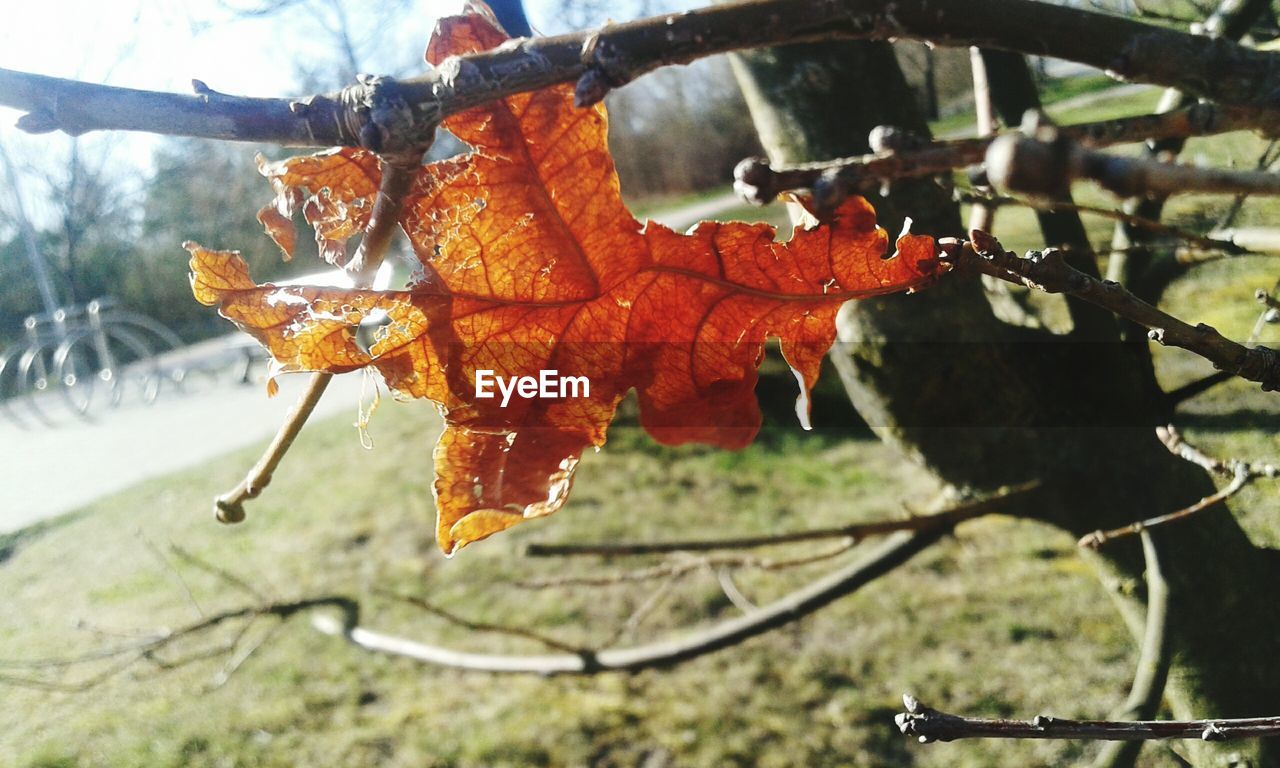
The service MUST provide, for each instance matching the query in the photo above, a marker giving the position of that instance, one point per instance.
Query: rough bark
(982, 404)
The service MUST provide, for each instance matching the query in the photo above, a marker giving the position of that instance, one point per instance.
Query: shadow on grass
(1231, 421)
(11, 543)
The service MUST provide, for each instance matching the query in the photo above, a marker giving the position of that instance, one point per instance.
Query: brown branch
(387, 115)
(930, 725)
(1206, 244)
(1152, 670)
(1041, 159)
(1241, 473)
(482, 626)
(398, 173)
(149, 648)
(895, 551)
(758, 183)
(855, 531)
(1049, 272)
(1098, 538)
(229, 507)
(685, 566)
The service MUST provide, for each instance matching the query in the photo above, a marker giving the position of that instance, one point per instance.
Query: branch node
(754, 181)
(39, 121)
(229, 511)
(1261, 364)
(604, 71)
(891, 138)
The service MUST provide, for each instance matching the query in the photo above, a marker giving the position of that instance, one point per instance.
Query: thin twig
(1048, 271)
(930, 725)
(642, 611)
(684, 566)
(481, 626)
(1206, 243)
(177, 575)
(1152, 671)
(150, 647)
(1173, 440)
(200, 563)
(1241, 473)
(730, 589)
(855, 531)
(1042, 159)
(895, 551)
(398, 173)
(832, 180)
(229, 507)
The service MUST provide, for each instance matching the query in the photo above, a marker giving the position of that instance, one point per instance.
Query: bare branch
(855, 531)
(832, 180)
(481, 626)
(149, 647)
(929, 725)
(1041, 160)
(1204, 243)
(385, 115)
(1241, 473)
(683, 566)
(200, 563)
(229, 507)
(1152, 671)
(398, 173)
(895, 551)
(1049, 272)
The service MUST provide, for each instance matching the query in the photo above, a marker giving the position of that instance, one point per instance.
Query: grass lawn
(1004, 619)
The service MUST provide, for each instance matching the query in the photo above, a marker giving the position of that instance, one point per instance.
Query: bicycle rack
(79, 352)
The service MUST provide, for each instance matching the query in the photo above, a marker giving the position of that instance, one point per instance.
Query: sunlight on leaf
(530, 262)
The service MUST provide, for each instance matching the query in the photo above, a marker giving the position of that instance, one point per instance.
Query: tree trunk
(982, 403)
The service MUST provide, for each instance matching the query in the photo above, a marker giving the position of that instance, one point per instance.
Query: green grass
(643, 207)
(1106, 105)
(984, 614)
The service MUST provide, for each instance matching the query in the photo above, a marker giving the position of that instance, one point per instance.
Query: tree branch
(929, 725)
(383, 114)
(832, 180)
(1204, 243)
(895, 551)
(1152, 672)
(149, 647)
(1041, 159)
(398, 173)
(684, 566)
(1241, 473)
(229, 507)
(856, 531)
(1047, 271)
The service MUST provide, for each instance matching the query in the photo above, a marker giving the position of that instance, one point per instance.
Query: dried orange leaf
(531, 262)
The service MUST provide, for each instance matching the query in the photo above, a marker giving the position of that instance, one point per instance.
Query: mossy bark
(982, 403)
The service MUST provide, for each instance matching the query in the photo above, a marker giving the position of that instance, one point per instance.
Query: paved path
(48, 470)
